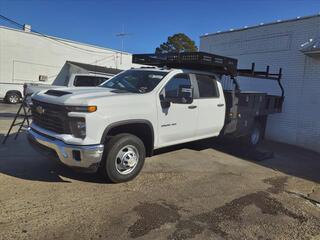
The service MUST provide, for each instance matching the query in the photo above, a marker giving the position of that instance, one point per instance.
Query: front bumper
(84, 157)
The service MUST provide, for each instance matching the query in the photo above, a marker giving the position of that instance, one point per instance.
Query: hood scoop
(57, 93)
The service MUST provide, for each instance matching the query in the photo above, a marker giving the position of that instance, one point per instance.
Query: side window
(100, 80)
(88, 81)
(172, 87)
(207, 86)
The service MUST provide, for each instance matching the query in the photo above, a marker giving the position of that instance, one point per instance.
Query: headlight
(78, 127)
(81, 108)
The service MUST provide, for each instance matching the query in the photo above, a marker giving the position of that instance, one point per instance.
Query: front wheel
(12, 98)
(123, 159)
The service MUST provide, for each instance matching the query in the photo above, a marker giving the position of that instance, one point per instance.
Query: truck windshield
(138, 81)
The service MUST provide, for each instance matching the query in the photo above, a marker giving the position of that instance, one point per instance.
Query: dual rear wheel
(253, 139)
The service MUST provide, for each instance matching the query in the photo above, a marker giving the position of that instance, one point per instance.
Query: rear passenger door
(211, 106)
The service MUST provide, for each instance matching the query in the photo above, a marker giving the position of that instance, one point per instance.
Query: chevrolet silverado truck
(179, 98)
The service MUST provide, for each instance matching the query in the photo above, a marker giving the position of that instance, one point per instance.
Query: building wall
(278, 45)
(24, 56)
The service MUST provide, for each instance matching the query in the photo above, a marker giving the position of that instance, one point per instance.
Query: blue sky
(148, 22)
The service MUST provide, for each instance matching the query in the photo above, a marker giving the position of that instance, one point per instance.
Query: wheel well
(14, 91)
(142, 130)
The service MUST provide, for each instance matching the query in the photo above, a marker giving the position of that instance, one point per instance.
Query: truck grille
(50, 116)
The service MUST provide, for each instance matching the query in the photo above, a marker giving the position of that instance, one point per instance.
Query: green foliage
(176, 43)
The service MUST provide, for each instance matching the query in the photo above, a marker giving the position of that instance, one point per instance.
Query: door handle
(192, 107)
(220, 105)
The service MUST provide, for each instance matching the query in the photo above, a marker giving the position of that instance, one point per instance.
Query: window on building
(207, 86)
(172, 87)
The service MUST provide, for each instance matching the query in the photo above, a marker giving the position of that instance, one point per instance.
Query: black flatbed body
(243, 108)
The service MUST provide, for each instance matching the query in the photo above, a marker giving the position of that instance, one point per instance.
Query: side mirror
(165, 103)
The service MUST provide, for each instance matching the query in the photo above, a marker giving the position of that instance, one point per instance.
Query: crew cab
(113, 127)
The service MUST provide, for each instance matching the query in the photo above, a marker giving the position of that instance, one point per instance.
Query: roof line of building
(65, 40)
(261, 25)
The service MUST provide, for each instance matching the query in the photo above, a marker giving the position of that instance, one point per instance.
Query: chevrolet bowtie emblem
(40, 110)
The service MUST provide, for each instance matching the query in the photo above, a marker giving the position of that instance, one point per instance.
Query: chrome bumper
(85, 157)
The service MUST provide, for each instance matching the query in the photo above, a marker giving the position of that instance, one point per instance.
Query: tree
(177, 43)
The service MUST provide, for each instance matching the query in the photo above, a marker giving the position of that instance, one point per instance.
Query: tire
(12, 97)
(255, 136)
(123, 159)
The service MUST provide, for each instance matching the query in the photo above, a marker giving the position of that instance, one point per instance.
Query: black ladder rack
(25, 109)
(190, 60)
(263, 75)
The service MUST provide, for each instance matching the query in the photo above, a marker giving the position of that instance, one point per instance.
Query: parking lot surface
(201, 190)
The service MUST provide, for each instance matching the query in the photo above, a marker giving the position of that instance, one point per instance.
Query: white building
(29, 57)
(293, 45)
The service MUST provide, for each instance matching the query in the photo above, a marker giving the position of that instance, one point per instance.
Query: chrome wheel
(127, 159)
(14, 98)
(255, 136)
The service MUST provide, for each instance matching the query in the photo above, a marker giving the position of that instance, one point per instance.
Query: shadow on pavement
(8, 115)
(282, 157)
(19, 160)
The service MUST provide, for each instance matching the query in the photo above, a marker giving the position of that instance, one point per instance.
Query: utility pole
(122, 35)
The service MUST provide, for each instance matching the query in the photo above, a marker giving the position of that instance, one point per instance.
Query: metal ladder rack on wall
(25, 109)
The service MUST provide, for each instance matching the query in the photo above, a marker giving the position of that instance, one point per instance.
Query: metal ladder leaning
(24, 107)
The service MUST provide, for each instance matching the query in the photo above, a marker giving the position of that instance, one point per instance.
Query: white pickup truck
(74, 80)
(11, 92)
(113, 127)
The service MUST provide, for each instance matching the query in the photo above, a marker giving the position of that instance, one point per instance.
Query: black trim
(125, 122)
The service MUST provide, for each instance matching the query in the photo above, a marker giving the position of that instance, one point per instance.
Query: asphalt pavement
(200, 190)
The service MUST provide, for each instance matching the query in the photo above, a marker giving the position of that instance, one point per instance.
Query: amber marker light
(92, 108)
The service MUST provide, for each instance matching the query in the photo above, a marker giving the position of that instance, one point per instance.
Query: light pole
(122, 35)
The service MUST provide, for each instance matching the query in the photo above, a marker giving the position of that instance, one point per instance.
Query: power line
(49, 37)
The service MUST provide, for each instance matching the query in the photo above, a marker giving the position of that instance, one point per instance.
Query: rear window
(207, 86)
(88, 81)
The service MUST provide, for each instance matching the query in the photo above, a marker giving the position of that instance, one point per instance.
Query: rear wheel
(12, 97)
(255, 135)
(123, 159)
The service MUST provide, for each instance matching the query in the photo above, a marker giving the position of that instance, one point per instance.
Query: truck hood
(77, 96)
(32, 88)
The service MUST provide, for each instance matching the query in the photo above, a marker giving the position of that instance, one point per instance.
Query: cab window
(172, 87)
(207, 86)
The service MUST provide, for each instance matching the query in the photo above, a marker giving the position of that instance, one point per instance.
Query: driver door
(177, 122)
